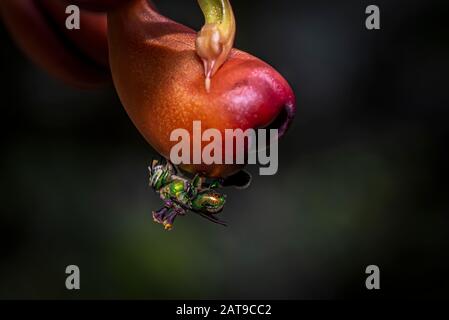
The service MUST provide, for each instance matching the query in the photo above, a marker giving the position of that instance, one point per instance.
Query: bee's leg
(167, 215)
(175, 211)
(197, 182)
(180, 211)
(212, 218)
(216, 183)
(161, 215)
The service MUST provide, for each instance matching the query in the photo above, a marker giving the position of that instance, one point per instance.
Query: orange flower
(160, 80)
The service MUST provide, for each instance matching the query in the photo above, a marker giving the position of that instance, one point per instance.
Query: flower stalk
(216, 38)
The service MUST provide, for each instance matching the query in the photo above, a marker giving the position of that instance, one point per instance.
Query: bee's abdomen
(208, 202)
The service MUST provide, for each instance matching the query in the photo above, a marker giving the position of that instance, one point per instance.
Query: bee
(181, 194)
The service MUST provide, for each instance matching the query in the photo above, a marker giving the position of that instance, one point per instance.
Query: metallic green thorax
(176, 191)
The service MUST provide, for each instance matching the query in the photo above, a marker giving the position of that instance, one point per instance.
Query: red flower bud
(160, 81)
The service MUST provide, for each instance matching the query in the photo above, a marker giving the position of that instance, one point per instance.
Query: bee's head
(160, 173)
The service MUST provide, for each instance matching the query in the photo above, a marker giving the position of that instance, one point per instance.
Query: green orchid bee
(181, 194)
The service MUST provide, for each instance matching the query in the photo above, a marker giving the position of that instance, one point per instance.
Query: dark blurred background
(362, 179)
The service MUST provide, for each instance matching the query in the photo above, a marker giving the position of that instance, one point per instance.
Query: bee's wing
(212, 218)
